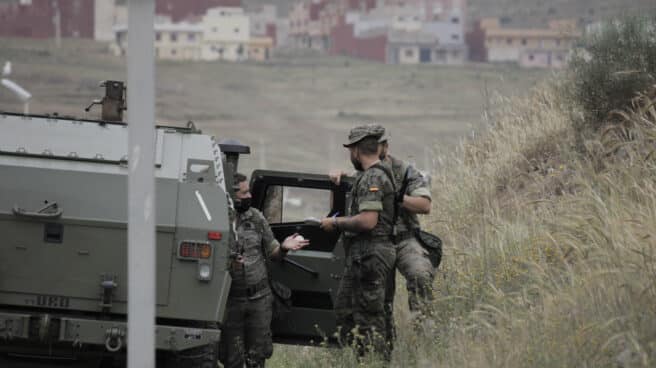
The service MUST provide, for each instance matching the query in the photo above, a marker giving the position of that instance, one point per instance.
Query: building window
(174, 51)
(531, 57)
(455, 37)
(509, 41)
(191, 37)
(557, 42)
(524, 41)
(158, 36)
(560, 57)
(409, 53)
(455, 20)
(174, 37)
(214, 29)
(236, 30)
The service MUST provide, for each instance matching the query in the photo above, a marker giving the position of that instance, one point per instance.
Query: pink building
(404, 32)
(371, 46)
(311, 21)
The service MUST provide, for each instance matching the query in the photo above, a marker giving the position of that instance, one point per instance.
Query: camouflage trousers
(413, 263)
(246, 335)
(360, 302)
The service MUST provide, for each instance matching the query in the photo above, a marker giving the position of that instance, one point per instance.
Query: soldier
(412, 260)
(246, 337)
(367, 241)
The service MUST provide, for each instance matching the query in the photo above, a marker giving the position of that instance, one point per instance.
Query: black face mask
(242, 205)
(357, 164)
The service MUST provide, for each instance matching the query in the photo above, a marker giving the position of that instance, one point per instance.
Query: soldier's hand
(336, 176)
(295, 242)
(328, 224)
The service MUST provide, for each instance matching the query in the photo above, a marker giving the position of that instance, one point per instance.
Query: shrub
(615, 64)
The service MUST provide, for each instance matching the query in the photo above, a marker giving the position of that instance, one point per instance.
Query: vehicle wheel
(203, 357)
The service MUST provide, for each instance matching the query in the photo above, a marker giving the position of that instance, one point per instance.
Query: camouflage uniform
(360, 304)
(411, 257)
(246, 337)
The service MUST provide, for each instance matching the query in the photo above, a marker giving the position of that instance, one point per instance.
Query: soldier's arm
(418, 205)
(418, 197)
(291, 243)
(370, 203)
(362, 222)
(276, 250)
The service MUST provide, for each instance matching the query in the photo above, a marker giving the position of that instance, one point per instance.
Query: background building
(260, 48)
(550, 46)
(404, 32)
(173, 41)
(226, 33)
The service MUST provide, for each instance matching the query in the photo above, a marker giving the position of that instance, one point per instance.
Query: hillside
(549, 249)
(549, 226)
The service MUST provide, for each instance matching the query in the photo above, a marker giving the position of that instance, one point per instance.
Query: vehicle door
(313, 274)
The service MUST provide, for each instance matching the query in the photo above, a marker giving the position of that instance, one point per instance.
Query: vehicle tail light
(214, 235)
(194, 250)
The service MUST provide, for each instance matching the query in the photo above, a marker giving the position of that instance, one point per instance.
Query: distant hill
(528, 11)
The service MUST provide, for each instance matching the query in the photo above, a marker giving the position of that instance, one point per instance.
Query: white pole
(141, 184)
(57, 21)
(263, 154)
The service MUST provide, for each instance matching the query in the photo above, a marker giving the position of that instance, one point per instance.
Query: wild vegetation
(619, 61)
(550, 245)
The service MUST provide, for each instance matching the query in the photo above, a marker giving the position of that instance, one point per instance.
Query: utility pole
(141, 184)
(56, 20)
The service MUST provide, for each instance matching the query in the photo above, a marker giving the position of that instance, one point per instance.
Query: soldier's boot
(420, 300)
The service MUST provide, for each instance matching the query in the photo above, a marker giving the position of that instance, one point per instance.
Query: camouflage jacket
(418, 186)
(373, 191)
(255, 244)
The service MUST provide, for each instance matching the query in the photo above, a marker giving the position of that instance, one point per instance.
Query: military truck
(63, 240)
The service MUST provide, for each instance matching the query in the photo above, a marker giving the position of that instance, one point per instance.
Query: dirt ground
(294, 111)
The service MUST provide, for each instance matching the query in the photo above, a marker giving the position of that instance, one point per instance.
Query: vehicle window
(272, 209)
(295, 204)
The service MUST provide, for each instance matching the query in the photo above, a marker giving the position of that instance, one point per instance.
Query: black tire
(203, 357)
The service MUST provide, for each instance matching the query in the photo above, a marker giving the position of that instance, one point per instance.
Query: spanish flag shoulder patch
(374, 189)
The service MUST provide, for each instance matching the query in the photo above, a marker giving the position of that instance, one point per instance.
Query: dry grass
(550, 252)
(554, 267)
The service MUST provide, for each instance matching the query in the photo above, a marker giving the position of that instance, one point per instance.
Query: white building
(226, 32)
(107, 14)
(173, 41)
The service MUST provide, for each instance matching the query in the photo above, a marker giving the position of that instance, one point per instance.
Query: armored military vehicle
(63, 239)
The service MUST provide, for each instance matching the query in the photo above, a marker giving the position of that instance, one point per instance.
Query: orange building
(548, 47)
